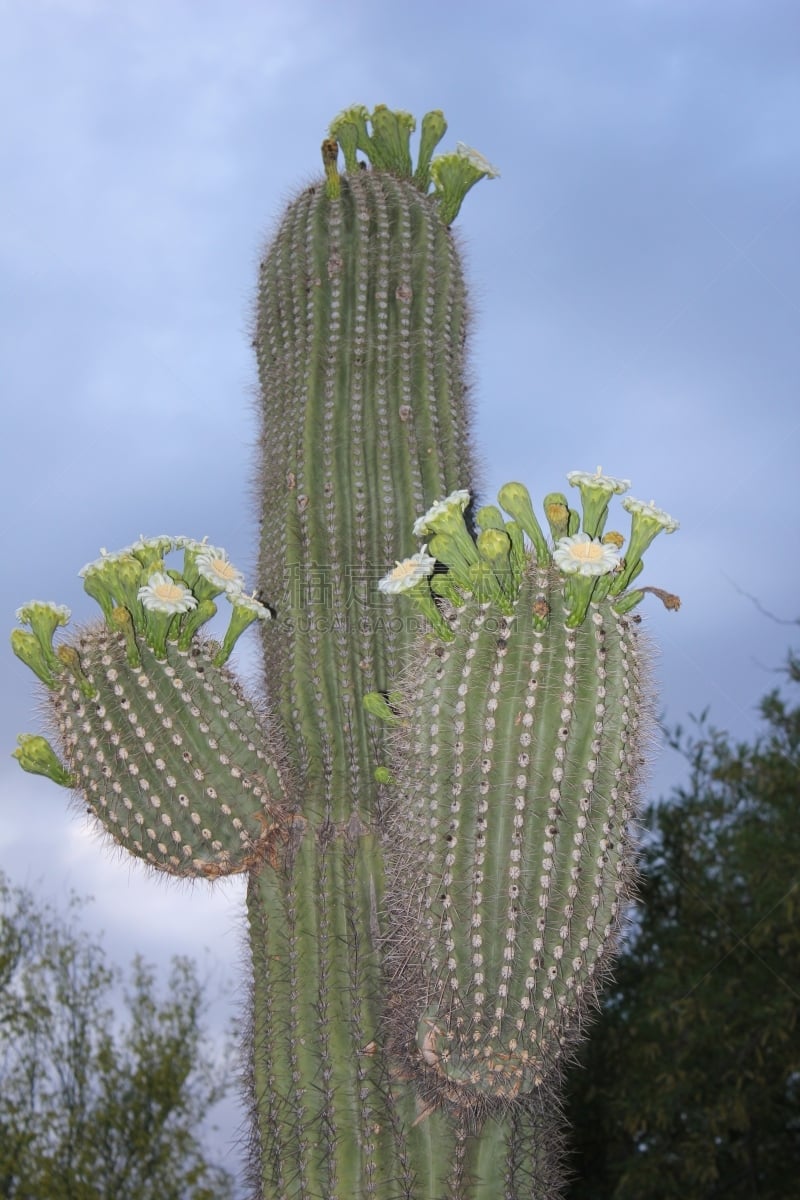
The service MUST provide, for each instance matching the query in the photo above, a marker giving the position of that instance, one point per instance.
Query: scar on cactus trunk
(433, 800)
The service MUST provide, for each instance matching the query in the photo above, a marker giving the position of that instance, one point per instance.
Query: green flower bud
(494, 546)
(517, 557)
(490, 517)
(122, 621)
(559, 515)
(150, 551)
(194, 620)
(458, 553)
(70, 658)
(454, 174)
(516, 500)
(485, 586)
(246, 610)
(35, 754)
(27, 648)
(432, 130)
(391, 135)
(443, 584)
(596, 491)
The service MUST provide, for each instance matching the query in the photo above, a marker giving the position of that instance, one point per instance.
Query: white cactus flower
(99, 564)
(442, 508)
(478, 161)
(162, 594)
(649, 510)
(161, 544)
(60, 613)
(215, 566)
(408, 573)
(614, 487)
(250, 604)
(583, 555)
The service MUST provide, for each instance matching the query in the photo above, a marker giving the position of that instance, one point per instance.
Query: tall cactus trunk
(361, 333)
(433, 801)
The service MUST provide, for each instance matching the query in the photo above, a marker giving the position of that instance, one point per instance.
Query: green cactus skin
(373, 1076)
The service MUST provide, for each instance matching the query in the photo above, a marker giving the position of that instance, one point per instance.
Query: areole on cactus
(433, 800)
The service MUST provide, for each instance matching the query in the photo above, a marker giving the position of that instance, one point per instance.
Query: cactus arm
(509, 853)
(170, 754)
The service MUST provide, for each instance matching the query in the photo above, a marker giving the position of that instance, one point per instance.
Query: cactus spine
(431, 895)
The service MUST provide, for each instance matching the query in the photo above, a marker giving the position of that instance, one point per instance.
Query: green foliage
(89, 1108)
(692, 1080)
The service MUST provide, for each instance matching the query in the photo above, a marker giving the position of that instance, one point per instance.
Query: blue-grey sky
(635, 281)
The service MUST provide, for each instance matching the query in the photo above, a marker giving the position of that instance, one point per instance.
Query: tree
(691, 1085)
(91, 1108)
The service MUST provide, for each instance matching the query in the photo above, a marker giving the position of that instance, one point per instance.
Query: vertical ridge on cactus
(433, 806)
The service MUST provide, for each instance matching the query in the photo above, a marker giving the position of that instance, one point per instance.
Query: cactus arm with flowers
(199, 791)
(433, 809)
(520, 732)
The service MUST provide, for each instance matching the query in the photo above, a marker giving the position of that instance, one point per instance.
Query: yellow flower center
(223, 569)
(168, 592)
(587, 551)
(403, 569)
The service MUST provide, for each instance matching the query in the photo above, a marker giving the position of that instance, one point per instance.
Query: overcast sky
(635, 281)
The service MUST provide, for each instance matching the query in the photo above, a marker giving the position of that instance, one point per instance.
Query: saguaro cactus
(432, 803)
